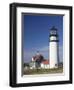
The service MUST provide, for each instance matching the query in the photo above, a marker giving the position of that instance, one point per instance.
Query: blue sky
(36, 30)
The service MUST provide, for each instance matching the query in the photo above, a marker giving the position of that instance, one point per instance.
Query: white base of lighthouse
(53, 54)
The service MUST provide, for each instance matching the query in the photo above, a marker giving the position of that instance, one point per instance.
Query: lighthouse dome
(53, 28)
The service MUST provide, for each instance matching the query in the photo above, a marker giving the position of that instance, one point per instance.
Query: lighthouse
(53, 48)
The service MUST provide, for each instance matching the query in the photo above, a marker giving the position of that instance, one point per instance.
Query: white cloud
(43, 49)
(27, 55)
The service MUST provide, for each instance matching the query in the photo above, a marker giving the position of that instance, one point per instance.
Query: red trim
(45, 62)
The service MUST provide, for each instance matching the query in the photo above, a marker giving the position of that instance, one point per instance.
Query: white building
(53, 48)
(44, 64)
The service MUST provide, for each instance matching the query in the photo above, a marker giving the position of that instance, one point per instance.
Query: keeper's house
(39, 62)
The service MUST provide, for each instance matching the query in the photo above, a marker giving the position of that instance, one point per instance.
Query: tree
(38, 60)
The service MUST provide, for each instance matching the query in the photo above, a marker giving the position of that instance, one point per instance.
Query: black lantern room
(53, 33)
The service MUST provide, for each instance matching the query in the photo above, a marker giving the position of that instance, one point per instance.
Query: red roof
(45, 62)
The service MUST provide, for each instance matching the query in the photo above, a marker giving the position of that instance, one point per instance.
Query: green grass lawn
(42, 71)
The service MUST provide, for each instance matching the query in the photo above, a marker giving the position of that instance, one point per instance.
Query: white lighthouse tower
(53, 48)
